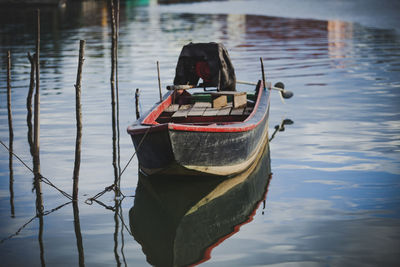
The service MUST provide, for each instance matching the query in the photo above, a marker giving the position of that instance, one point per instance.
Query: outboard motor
(208, 61)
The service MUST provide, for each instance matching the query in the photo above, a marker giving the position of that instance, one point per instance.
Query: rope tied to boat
(88, 201)
(114, 187)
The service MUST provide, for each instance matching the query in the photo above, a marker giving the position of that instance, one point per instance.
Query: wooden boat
(203, 132)
(178, 222)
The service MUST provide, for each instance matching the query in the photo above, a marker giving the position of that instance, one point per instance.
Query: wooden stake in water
(78, 121)
(36, 131)
(116, 29)
(113, 56)
(159, 80)
(10, 125)
(117, 89)
(113, 90)
(137, 103)
(262, 72)
(29, 102)
(11, 134)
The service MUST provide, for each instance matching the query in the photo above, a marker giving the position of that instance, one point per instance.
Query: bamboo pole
(159, 80)
(10, 134)
(36, 131)
(78, 121)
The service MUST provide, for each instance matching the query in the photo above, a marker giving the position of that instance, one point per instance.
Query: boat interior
(206, 107)
(215, 100)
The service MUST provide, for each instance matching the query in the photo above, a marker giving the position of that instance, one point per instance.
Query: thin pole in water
(11, 133)
(29, 102)
(159, 80)
(263, 74)
(137, 103)
(113, 90)
(36, 132)
(10, 125)
(78, 121)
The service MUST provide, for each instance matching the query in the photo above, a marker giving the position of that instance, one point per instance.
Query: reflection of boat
(208, 132)
(178, 221)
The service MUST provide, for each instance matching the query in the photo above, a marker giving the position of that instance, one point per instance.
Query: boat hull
(217, 150)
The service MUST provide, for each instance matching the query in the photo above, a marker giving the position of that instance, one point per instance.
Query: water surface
(334, 194)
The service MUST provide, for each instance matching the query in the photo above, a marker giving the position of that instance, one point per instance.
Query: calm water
(334, 196)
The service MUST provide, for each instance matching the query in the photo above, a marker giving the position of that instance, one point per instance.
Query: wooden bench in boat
(204, 109)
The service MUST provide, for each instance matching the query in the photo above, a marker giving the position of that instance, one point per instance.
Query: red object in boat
(203, 71)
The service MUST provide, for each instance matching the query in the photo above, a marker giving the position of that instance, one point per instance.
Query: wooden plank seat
(205, 107)
(205, 110)
(237, 111)
(182, 111)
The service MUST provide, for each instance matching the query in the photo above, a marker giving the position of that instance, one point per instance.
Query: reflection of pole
(40, 238)
(78, 235)
(116, 221)
(11, 133)
(36, 132)
(78, 121)
(280, 127)
(122, 234)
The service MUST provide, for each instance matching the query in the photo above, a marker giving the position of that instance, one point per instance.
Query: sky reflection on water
(334, 196)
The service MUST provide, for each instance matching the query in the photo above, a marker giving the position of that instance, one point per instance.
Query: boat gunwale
(149, 120)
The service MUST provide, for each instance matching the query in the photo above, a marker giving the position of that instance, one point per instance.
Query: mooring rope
(90, 200)
(47, 181)
(123, 223)
(41, 177)
(29, 168)
(140, 143)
